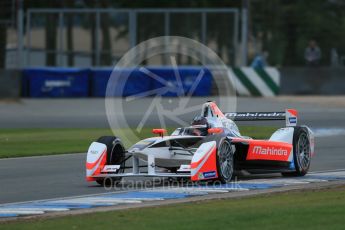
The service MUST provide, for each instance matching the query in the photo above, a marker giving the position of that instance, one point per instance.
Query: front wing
(202, 166)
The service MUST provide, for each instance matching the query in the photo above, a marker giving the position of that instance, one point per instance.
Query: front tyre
(301, 152)
(225, 161)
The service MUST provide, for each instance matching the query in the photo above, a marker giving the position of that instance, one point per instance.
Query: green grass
(33, 142)
(322, 209)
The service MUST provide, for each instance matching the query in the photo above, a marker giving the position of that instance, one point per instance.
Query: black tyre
(301, 152)
(115, 156)
(225, 161)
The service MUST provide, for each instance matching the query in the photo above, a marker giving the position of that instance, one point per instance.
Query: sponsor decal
(269, 151)
(291, 117)
(257, 114)
(93, 151)
(207, 175)
(293, 120)
(111, 168)
(57, 83)
(210, 174)
(184, 168)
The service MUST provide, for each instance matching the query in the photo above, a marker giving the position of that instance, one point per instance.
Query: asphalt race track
(36, 178)
(90, 113)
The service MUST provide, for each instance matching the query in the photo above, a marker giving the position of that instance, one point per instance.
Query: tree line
(280, 27)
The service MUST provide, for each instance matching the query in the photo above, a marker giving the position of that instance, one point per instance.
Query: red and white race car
(212, 148)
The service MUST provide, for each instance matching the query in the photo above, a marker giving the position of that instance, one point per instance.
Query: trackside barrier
(164, 81)
(158, 80)
(198, 77)
(128, 82)
(71, 82)
(256, 82)
(56, 82)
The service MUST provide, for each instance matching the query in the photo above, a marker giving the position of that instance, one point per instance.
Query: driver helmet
(200, 120)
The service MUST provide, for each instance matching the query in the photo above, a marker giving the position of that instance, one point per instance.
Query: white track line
(97, 200)
(328, 132)
(21, 212)
(34, 209)
(274, 181)
(326, 171)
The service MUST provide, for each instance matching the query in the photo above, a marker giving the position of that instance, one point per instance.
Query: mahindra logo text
(270, 151)
(256, 114)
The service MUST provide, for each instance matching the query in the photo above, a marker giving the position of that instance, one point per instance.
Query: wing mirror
(160, 132)
(214, 130)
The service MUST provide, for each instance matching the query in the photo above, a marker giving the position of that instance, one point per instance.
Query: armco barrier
(56, 82)
(256, 82)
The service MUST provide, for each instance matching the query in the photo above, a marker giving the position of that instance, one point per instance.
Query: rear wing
(290, 116)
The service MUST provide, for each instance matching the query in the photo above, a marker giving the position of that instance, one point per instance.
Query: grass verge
(320, 209)
(35, 142)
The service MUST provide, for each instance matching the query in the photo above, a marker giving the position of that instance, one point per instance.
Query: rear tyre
(301, 152)
(225, 161)
(115, 156)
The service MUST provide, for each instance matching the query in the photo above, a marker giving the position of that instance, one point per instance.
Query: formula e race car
(212, 148)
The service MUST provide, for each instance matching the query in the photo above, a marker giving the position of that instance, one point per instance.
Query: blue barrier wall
(71, 82)
(56, 82)
(127, 82)
(99, 81)
(160, 80)
(191, 82)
